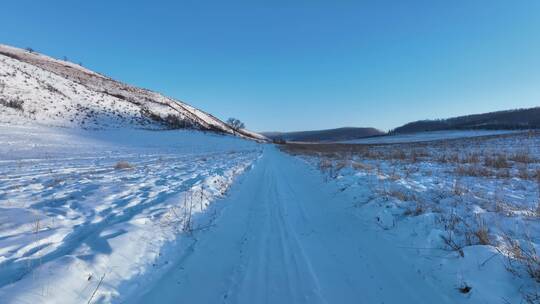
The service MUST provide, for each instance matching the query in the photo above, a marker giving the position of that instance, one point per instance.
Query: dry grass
(449, 241)
(498, 161)
(325, 164)
(482, 234)
(361, 166)
(474, 170)
(523, 172)
(525, 255)
(458, 188)
(523, 157)
(340, 164)
(123, 165)
(401, 195)
(471, 158)
(538, 199)
(416, 211)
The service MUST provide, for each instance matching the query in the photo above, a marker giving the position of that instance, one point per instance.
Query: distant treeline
(340, 134)
(502, 120)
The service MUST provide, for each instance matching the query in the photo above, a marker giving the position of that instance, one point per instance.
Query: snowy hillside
(36, 89)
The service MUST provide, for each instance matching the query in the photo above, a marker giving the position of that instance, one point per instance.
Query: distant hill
(339, 134)
(501, 120)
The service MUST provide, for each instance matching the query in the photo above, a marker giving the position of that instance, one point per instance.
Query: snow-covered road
(283, 237)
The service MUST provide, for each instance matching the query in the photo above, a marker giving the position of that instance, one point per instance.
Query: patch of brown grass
(361, 166)
(416, 211)
(482, 234)
(123, 165)
(523, 157)
(471, 158)
(475, 170)
(498, 161)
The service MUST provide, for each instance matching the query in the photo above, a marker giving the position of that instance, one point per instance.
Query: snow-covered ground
(285, 237)
(124, 216)
(427, 136)
(90, 215)
(466, 211)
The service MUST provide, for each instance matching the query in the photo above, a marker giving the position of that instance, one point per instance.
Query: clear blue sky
(298, 65)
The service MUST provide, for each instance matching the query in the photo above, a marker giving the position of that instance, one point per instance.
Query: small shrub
(398, 154)
(482, 234)
(341, 164)
(503, 173)
(476, 170)
(453, 158)
(532, 297)
(418, 210)
(458, 188)
(418, 154)
(175, 122)
(523, 254)
(464, 288)
(523, 172)
(52, 89)
(401, 195)
(448, 239)
(13, 103)
(122, 165)
(325, 164)
(498, 161)
(522, 157)
(472, 158)
(537, 210)
(360, 166)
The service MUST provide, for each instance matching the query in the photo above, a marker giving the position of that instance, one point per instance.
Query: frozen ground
(426, 136)
(91, 214)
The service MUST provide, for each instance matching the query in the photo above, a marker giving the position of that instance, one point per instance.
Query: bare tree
(29, 50)
(235, 124)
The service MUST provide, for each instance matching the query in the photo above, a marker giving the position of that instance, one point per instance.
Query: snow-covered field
(135, 216)
(92, 215)
(465, 211)
(427, 136)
